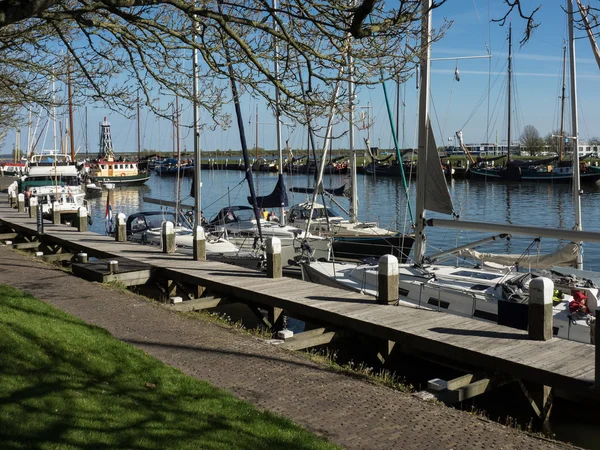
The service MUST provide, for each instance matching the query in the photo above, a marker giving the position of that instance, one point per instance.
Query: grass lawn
(65, 384)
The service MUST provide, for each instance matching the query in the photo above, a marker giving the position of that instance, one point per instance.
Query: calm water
(383, 200)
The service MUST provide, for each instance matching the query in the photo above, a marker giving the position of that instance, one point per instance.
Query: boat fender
(90, 220)
(123, 174)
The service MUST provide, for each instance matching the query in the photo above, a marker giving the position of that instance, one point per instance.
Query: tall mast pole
(575, 131)
(139, 138)
(71, 138)
(256, 146)
(509, 86)
(199, 254)
(86, 133)
(354, 199)
(562, 107)
(425, 63)
(277, 108)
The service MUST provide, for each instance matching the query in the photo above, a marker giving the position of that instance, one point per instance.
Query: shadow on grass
(64, 384)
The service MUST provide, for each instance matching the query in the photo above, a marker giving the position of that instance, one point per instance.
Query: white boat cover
(567, 256)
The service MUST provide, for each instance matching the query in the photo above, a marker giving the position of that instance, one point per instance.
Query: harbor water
(384, 200)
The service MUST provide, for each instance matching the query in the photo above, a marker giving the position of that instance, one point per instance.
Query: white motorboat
(238, 225)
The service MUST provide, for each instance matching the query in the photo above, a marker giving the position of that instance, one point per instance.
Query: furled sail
(345, 190)
(567, 256)
(276, 199)
(437, 196)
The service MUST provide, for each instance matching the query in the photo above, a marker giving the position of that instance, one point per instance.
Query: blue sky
(537, 72)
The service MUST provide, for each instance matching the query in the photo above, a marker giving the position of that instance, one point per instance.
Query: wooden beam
(26, 245)
(4, 236)
(57, 257)
(459, 382)
(260, 316)
(299, 342)
(197, 304)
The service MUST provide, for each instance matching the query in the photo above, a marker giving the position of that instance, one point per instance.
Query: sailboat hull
(357, 247)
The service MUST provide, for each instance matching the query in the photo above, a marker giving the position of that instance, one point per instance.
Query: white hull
(467, 292)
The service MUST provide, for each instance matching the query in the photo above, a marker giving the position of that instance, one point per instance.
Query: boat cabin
(301, 212)
(104, 168)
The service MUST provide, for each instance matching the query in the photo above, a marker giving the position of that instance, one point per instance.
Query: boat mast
(420, 239)
(354, 199)
(277, 109)
(509, 86)
(562, 106)
(256, 145)
(86, 133)
(139, 139)
(575, 131)
(71, 139)
(197, 164)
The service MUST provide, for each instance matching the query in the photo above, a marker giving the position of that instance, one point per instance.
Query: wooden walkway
(557, 363)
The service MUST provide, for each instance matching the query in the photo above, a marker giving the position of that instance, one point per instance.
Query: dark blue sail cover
(276, 199)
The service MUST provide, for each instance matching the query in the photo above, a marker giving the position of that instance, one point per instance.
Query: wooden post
(121, 229)
(82, 222)
(540, 309)
(199, 244)
(168, 237)
(33, 208)
(55, 213)
(13, 198)
(113, 266)
(597, 352)
(21, 202)
(387, 280)
(274, 268)
(82, 257)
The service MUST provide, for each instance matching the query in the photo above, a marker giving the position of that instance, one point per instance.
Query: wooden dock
(565, 365)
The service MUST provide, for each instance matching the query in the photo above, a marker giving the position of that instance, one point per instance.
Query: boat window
(157, 220)
(138, 224)
(103, 166)
(244, 214)
(478, 275)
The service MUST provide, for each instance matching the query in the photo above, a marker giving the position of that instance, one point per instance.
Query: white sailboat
(478, 293)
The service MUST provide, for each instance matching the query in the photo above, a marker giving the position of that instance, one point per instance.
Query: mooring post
(82, 257)
(82, 220)
(199, 244)
(55, 213)
(33, 208)
(596, 331)
(274, 268)
(13, 198)
(387, 280)
(21, 202)
(540, 309)
(168, 237)
(113, 266)
(121, 230)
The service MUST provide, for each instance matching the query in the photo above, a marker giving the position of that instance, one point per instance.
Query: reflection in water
(383, 200)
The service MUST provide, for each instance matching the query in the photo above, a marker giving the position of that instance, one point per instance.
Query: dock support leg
(540, 399)
(540, 309)
(170, 290)
(386, 351)
(275, 316)
(82, 222)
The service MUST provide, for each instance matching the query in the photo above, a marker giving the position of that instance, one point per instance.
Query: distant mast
(509, 86)
(106, 148)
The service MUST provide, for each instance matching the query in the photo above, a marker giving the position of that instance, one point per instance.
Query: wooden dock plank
(564, 364)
